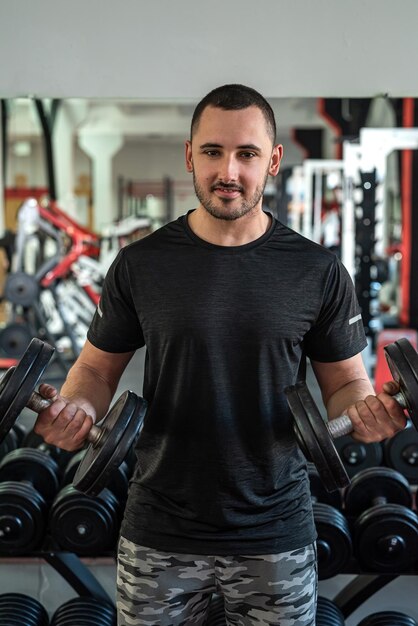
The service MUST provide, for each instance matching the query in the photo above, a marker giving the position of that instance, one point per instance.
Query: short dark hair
(235, 97)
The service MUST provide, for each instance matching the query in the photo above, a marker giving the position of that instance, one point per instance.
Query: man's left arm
(346, 389)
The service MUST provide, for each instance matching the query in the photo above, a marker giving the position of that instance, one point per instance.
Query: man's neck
(229, 232)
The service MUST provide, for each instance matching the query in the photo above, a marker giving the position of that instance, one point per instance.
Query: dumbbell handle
(37, 403)
(342, 425)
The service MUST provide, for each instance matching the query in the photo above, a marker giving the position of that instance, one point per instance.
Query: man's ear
(188, 154)
(275, 160)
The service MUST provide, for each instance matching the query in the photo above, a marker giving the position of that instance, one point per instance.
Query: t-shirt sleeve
(115, 326)
(338, 332)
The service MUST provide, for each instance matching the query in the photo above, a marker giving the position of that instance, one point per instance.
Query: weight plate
(357, 456)
(401, 453)
(120, 429)
(35, 441)
(333, 542)
(403, 364)
(71, 467)
(14, 339)
(311, 428)
(388, 618)
(12, 612)
(83, 616)
(6, 377)
(23, 514)
(19, 607)
(85, 525)
(24, 600)
(8, 617)
(21, 431)
(386, 539)
(83, 603)
(28, 604)
(318, 491)
(328, 613)
(117, 482)
(21, 289)
(104, 612)
(8, 444)
(376, 485)
(19, 386)
(26, 617)
(33, 467)
(82, 620)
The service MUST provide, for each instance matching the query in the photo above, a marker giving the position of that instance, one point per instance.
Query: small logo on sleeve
(355, 319)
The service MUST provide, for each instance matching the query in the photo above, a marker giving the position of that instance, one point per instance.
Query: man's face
(231, 156)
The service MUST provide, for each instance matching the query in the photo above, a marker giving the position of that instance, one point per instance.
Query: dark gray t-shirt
(226, 330)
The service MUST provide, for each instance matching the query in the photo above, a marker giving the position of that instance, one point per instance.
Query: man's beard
(225, 213)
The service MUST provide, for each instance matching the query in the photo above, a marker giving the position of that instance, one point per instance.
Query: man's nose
(228, 169)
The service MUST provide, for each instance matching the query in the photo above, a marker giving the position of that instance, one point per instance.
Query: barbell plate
(403, 364)
(374, 483)
(317, 439)
(82, 524)
(401, 453)
(23, 514)
(15, 393)
(386, 539)
(121, 426)
(32, 467)
(14, 339)
(21, 289)
(357, 455)
(333, 542)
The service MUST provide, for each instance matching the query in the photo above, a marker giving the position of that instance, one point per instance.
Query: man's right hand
(65, 423)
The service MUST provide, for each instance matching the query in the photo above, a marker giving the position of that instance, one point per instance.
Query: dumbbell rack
(365, 584)
(361, 589)
(73, 569)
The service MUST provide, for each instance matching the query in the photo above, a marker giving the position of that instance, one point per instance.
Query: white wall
(166, 49)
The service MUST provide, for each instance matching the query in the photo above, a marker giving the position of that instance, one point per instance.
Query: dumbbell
(334, 544)
(21, 289)
(385, 529)
(328, 613)
(401, 453)
(84, 611)
(85, 525)
(34, 441)
(14, 339)
(12, 440)
(117, 483)
(316, 438)
(388, 618)
(109, 442)
(28, 483)
(357, 455)
(18, 609)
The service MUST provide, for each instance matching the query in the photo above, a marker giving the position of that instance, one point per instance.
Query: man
(229, 302)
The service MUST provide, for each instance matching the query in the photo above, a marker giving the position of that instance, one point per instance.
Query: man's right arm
(84, 398)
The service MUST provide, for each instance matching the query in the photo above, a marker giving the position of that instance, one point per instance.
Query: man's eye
(248, 155)
(211, 152)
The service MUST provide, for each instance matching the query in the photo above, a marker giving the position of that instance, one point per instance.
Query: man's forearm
(347, 395)
(87, 388)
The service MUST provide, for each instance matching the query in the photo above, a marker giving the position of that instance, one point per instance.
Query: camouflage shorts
(163, 589)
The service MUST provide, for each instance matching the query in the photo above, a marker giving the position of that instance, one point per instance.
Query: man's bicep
(109, 366)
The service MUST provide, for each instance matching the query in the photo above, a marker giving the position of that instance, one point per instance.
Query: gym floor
(35, 578)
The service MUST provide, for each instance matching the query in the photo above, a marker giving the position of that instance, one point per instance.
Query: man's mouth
(227, 191)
